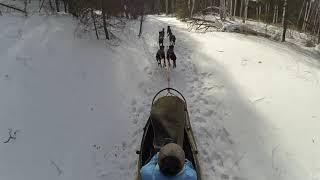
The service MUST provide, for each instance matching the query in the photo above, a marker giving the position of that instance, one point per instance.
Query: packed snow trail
(80, 105)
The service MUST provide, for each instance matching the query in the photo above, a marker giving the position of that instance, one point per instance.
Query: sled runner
(168, 123)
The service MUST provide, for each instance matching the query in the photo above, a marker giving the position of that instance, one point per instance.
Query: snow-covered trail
(269, 94)
(80, 105)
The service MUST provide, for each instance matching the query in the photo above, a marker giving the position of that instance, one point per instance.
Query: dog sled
(168, 123)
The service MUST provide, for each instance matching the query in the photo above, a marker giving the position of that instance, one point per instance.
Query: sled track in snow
(193, 86)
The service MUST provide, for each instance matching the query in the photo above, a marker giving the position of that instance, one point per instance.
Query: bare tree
(94, 23)
(25, 7)
(167, 6)
(104, 20)
(222, 10)
(12, 7)
(231, 7)
(275, 13)
(245, 11)
(241, 8)
(284, 20)
(300, 14)
(172, 6)
(141, 20)
(306, 15)
(51, 6)
(57, 5)
(235, 7)
(192, 8)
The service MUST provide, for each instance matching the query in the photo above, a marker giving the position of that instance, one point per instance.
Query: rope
(168, 74)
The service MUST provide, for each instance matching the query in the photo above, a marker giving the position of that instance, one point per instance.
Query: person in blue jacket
(169, 164)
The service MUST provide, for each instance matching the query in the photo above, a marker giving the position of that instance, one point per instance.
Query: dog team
(170, 52)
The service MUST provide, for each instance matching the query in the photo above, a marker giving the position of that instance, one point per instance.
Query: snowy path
(80, 106)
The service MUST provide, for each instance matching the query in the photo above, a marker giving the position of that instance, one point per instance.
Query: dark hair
(170, 166)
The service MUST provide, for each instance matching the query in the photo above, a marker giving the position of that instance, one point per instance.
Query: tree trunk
(172, 6)
(158, 6)
(57, 5)
(308, 15)
(315, 19)
(167, 6)
(51, 6)
(259, 12)
(301, 10)
(65, 6)
(11, 7)
(319, 34)
(284, 21)
(94, 23)
(266, 12)
(104, 20)
(231, 7)
(274, 14)
(141, 22)
(25, 7)
(241, 8)
(222, 10)
(277, 15)
(235, 7)
(245, 11)
(192, 8)
(305, 19)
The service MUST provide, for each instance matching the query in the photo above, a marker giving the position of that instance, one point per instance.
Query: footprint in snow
(224, 176)
(133, 102)
(7, 77)
(24, 59)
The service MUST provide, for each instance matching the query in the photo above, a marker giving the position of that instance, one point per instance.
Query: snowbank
(317, 48)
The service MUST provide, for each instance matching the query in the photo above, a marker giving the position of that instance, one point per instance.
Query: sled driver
(169, 163)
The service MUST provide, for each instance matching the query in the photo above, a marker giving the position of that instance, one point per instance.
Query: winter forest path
(80, 105)
(224, 78)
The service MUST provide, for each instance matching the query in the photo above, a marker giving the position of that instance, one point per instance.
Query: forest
(300, 15)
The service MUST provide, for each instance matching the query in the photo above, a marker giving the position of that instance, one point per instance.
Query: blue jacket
(151, 171)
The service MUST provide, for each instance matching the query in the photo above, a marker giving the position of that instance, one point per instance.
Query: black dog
(161, 37)
(172, 39)
(161, 55)
(169, 32)
(171, 56)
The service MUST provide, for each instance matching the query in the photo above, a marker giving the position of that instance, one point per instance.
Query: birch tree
(245, 11)
(235, 7)
(192, 8)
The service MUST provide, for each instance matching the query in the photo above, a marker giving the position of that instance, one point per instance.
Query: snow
(317, 48)
(80, 104)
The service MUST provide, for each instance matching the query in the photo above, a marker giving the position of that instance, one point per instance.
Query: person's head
(171, 47)
(171, 159)
(162, 47)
